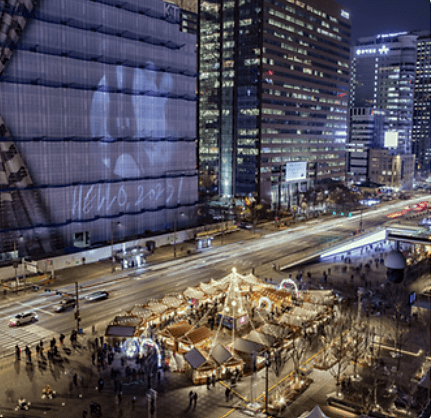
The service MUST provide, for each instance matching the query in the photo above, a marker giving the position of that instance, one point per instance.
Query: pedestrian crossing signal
(334, 213)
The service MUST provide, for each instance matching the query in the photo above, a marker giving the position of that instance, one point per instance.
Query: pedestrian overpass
(406, 234)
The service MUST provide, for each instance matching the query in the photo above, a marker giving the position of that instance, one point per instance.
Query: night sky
(371, 17)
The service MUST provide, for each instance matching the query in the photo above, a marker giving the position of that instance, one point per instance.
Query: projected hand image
(119, 119)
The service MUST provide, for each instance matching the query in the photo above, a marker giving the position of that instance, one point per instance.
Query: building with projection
(98, 122)
(273, 87)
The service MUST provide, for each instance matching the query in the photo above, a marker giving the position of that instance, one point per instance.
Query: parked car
(65, 304)
(101, 295)
(23, 318)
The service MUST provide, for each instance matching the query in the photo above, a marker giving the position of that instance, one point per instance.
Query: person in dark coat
(195, 398)
(208, 382)
(227, 394)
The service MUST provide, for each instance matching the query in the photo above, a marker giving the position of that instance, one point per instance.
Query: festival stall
(248, 349)
(227, 364)
(260, 338)
(194, 296)
(121, 329)
(199, 338)
(271, 299)
(172, 333)
(198, 368)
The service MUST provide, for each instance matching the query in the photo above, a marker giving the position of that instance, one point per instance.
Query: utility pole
(77, 313)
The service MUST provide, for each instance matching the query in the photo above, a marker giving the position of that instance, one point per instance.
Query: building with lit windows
(97, 123)
(367, 128)
(188, 15)
(383, 74)
(421, 135)
(395, 171)
(273, 88)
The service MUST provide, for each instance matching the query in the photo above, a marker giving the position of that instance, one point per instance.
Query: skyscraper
(273, 87)
(98, 109)
(421, 140)
(383, 74)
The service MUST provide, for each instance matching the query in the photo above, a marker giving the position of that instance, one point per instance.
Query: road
(154, 281)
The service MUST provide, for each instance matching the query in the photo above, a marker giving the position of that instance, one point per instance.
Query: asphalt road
(156, 280)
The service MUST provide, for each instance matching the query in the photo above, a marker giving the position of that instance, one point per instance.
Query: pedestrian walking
(119, 397)
(84, 414)
(133, 403)
(75, 379)
(93, 356)
(101, 385)
(17, 352)
(41, 345)
(38, 349)
(208, 382)
(195, 398)
(191, 397)
(62, 337)
(227, 394)
(213, 378)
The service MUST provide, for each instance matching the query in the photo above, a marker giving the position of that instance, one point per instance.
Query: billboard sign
(296, 171)
(391, 139)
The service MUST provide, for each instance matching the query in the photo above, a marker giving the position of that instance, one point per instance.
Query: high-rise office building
(188, 15)
(98, 122)
(367, 130)
(383, 70)
(421, 135)
(273, 87)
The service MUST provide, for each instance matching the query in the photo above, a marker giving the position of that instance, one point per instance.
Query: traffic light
(349, 215)
(334, 213)
(342, 214)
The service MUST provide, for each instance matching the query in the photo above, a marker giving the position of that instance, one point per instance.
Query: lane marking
(34, 308)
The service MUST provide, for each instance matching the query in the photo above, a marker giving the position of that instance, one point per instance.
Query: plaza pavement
(19, 379)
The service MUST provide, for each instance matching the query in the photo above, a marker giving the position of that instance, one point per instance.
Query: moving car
(97, 296)
(23, 318)
(65, 304)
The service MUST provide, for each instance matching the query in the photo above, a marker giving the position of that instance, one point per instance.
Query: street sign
(31, 266)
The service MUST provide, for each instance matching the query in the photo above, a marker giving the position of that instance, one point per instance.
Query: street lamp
(16, 260)
(112, 244)
(175, 231)
(267, 365)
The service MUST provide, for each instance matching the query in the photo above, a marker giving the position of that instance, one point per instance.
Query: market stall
(249, 352)
(172, 333)
(227, 364)
(198, 368)
(199, 338)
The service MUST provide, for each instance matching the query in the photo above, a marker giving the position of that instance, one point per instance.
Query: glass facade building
(421, 140)
(383, 74)
(98, 122)
(273, 87)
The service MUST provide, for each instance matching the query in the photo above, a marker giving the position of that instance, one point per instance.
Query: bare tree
(340, 344)
(298, 351)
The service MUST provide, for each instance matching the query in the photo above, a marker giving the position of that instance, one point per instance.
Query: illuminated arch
(264, 300)
(288, 281)
(135, 346)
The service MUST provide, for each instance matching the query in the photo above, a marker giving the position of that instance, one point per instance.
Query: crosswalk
(25, 335)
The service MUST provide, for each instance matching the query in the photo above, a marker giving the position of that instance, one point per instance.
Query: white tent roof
(315, 413)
